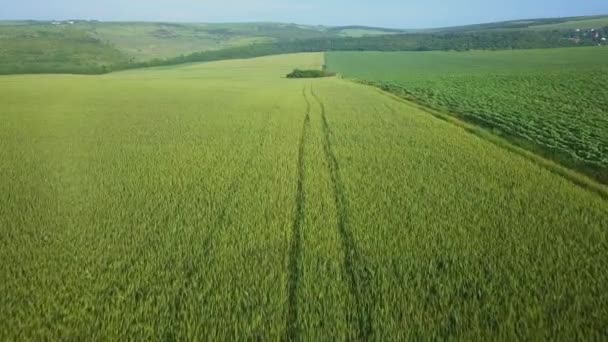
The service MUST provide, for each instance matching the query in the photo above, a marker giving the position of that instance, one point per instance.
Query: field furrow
(461, 236)
(354, 264)
(295, 251)
(324, 300)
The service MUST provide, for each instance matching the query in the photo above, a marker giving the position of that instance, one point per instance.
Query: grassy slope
(576, 24)
(553, 99)
(223, 201)
(200, 37)
(146, 41)
(46, 48)
(534, 24)
(97, 47)
(362, 31)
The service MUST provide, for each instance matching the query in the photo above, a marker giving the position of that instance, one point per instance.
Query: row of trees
(299, 73)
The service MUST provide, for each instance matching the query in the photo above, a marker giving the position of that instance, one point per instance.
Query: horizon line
(154, 21)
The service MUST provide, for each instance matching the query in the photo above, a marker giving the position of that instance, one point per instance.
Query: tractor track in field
(295, 250)
(354, 264)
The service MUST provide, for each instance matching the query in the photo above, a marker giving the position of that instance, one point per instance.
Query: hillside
(91, 47)
(568, 23)
(148, 40)
(33, 48)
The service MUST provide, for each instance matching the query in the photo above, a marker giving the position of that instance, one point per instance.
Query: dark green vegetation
(117, 46)
(311, 73)
(552, 101)
(223, 202)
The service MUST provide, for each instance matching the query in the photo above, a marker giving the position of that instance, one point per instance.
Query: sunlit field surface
(222, 201)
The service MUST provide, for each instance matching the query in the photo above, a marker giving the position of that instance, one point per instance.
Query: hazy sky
(389, 13)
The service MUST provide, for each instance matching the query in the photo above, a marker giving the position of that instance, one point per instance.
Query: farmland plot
(554, 101)
(223, 201)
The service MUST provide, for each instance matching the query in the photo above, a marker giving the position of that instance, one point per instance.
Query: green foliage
(552, 101)
(312, 73)
(220, 201)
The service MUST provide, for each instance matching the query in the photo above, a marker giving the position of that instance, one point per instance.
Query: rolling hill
(92, 47)
(585, 22)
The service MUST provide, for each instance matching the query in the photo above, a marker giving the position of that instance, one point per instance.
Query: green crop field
(554, 101)
(223, 201)
(561, 23)
(582, 24)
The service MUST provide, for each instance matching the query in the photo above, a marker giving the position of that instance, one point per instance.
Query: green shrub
(298, 73)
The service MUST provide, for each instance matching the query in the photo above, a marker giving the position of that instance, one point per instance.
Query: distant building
(56, 23)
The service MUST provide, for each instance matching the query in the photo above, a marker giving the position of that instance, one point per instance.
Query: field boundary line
(295, 249)
(353, 261)
(569, 174)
